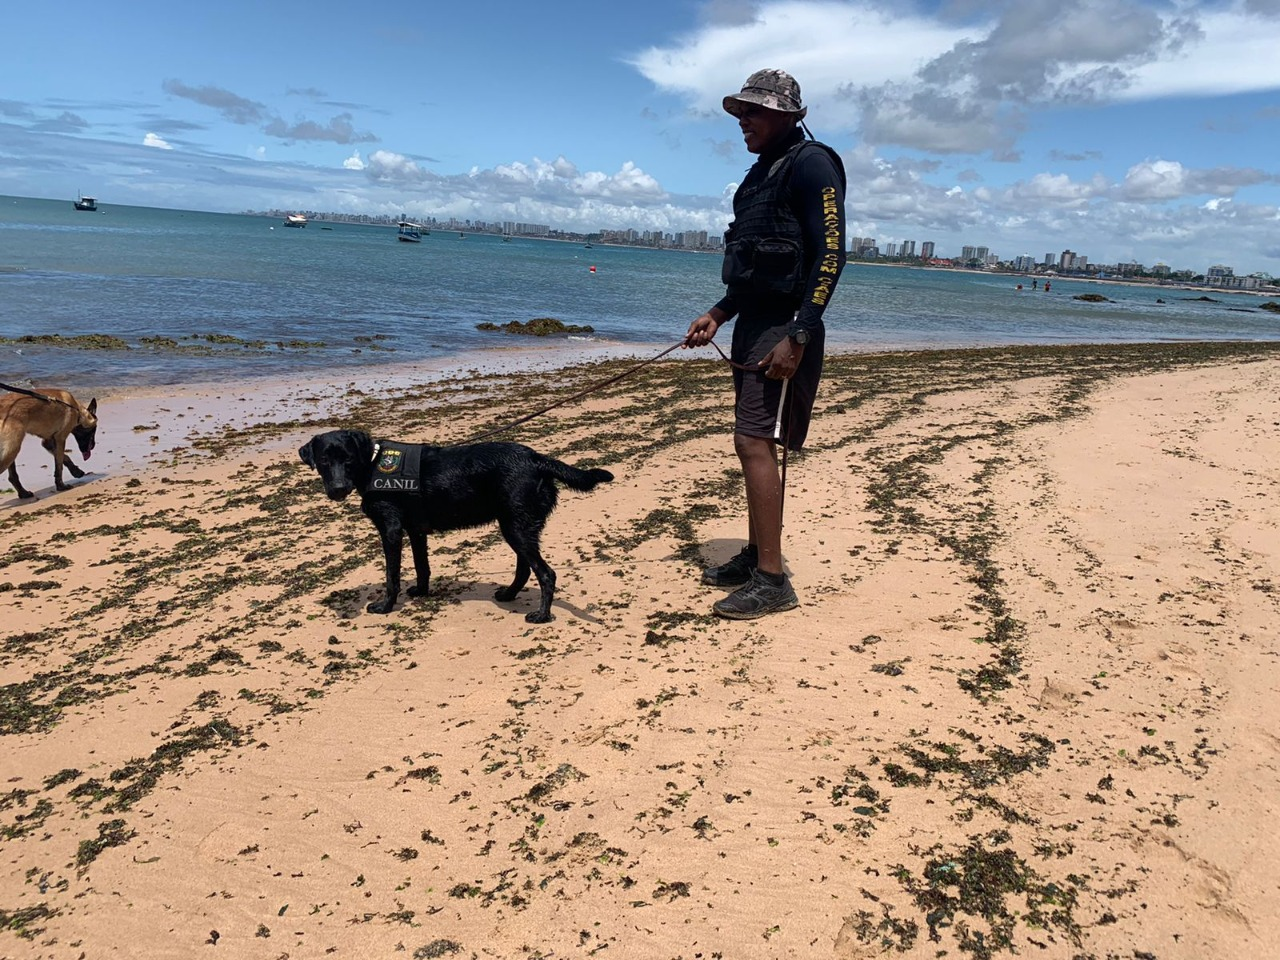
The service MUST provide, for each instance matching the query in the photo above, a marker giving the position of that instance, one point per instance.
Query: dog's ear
(360, 444)
(93, 407)
(305, 454)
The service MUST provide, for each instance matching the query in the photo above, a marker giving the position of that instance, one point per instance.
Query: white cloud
(1155, 180)
(898, 77)
(1235, 53)
(395, 167)
(153, 140)
(1159, 180)
(538, 171)
(353, 162)
(1058, 188)
(832, 48)
(629, 182)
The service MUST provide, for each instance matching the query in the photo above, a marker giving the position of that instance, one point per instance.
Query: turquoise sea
(342, 296)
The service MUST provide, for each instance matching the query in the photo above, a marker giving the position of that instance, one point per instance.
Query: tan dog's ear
(93, 406)
(305, 454)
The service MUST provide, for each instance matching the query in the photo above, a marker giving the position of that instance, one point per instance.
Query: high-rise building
(1066, 260)
(1050, 260)
(908, 248)
(926, 250)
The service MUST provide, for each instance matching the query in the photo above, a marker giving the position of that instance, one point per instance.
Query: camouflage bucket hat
(773, 89)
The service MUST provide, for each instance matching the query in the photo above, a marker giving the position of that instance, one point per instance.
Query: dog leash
(37, 396)
(577, 396)
(779, 433)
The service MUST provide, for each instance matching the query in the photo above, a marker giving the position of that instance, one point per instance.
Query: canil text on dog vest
(398, 468)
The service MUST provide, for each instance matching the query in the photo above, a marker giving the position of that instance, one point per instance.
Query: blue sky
(1122, 130)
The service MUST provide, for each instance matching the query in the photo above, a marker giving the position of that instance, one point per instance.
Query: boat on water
(295, 220)
(410, 232)
(88, 204)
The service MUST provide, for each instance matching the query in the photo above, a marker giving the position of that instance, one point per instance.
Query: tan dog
(52, 416)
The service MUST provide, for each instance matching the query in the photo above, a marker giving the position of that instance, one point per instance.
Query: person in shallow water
(784, 252)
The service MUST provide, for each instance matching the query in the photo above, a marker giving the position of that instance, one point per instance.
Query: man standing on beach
(784, 252)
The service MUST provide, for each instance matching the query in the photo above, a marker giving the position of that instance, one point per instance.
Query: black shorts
(757, 397)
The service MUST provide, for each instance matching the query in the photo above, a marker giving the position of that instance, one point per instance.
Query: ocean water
(340, 295)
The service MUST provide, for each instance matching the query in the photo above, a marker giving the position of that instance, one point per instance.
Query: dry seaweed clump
(538, 327)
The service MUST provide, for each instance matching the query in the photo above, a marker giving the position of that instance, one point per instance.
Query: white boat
(410, 232)
(89, 204)
(295, 220)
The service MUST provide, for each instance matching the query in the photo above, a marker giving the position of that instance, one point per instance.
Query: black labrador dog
(419, 489)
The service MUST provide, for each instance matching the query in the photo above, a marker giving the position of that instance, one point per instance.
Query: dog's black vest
(397, 467)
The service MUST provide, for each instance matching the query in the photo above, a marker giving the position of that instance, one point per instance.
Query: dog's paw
(26, 495)
(417, 591)
(537, 616)
(381, 606)
(505, 594)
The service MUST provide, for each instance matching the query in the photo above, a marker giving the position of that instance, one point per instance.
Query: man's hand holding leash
(780, 363)
(703, 330)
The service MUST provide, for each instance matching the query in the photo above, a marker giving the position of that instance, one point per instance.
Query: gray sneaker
(734, 572)
(757, 598)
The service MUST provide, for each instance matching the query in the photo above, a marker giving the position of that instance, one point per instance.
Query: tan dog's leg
(52, 446)
(9, 447)
(59, 451)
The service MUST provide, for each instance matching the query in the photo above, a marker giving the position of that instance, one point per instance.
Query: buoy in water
(593, 268)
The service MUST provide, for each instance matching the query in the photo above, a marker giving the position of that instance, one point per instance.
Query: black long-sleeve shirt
(816, 197)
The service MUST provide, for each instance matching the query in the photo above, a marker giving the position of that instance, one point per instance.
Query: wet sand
(1027, 702)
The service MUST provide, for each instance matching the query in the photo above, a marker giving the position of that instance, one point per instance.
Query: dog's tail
(573, 477)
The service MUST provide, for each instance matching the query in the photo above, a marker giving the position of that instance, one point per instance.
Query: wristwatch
(799, 334)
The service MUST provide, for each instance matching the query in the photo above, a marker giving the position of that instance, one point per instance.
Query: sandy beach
(1028, 704)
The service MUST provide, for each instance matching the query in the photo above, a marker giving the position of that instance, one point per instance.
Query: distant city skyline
(1131, 129)
(701, 240)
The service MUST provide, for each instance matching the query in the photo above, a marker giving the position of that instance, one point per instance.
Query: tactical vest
(398, 468)
(764, 247)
